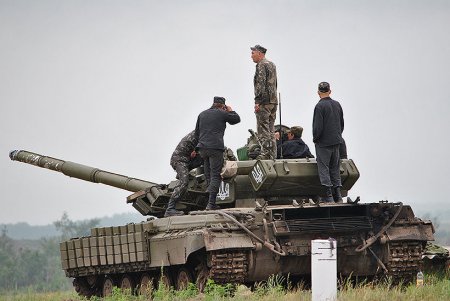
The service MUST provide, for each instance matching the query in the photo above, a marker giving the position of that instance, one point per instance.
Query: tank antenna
(280, 131)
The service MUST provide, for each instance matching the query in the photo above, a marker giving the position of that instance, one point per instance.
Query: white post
(324, 269)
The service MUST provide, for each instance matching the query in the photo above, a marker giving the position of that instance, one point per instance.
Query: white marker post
(324, 269)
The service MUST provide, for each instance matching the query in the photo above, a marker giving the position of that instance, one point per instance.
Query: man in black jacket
(295, 147)
(209, 132)
(328, 124)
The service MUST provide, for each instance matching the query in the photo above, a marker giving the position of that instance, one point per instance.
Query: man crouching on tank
(183, 159)
(209, 131)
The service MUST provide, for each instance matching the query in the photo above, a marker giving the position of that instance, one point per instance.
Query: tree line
(39, 267)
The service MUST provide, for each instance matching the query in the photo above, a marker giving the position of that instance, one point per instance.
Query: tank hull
(250, 246)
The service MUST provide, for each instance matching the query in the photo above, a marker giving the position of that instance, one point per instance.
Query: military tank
(265, 227)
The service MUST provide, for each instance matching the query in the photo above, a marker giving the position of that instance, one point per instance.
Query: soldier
(328, 124)
(295, 147)
(266, 101)
(209, 131)
(183, 159)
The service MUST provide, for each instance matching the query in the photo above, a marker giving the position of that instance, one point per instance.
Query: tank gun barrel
(79, 171)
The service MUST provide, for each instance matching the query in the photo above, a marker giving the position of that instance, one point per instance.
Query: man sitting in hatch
(295, 147)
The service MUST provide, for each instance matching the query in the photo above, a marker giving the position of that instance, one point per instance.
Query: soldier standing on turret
(328, 124)
(183, 159)
(266, 101)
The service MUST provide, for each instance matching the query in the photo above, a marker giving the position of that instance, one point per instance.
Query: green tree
(69, 228)
(6, 261)
(38, 268)
(54, 276)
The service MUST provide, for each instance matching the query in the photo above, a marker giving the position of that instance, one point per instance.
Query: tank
(268, 218)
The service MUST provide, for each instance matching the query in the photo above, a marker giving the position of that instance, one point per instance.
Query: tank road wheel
(127, 284)
(202, 277)
(107, 288)
(146, 285)
(184, 277)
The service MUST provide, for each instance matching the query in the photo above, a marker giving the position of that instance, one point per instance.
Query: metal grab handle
(367, 243)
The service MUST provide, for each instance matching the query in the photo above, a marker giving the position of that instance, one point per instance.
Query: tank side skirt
(266, 244)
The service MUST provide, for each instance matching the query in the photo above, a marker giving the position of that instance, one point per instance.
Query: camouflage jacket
(184, 149)
(265, 82)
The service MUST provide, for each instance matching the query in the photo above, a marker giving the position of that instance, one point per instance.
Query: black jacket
(343, 150)
(211, 126)
(295, 148)
(328, 122)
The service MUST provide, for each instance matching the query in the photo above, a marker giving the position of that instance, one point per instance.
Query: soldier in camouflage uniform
(183, 159)
(266, 101)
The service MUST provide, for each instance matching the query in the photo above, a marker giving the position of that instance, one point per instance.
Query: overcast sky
(116, 85)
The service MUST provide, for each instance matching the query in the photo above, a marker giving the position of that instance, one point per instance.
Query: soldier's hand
(229, 109)
(193, 154)
(256, 107)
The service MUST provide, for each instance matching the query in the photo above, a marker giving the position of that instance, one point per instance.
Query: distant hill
(23, 230)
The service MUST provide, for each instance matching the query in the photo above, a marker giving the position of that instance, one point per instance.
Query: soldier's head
(295, 132)
(324, 89)
(258, 53)
(219, 102)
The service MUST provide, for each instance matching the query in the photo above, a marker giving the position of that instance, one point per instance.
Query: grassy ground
(435, 289)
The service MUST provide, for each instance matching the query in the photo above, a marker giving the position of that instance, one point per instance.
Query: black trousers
(212, 164)
(328, 165)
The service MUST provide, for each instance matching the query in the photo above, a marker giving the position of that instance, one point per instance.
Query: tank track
(229, 266)
(404, 260)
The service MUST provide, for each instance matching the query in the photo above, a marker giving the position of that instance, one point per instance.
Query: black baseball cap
(324, 87)
(218, 99)
(259, 48)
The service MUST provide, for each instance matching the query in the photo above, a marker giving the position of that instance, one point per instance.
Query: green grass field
(435, 289)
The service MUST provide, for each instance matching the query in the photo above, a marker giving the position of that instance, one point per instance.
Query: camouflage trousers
(182, 169)
(265, 122)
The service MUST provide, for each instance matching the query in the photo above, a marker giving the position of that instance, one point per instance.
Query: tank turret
(272, 181)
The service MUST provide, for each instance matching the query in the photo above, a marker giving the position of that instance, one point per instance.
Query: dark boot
(337, 197)
(212, 207)
(212, 202)
(328, 196)
(171, 211)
